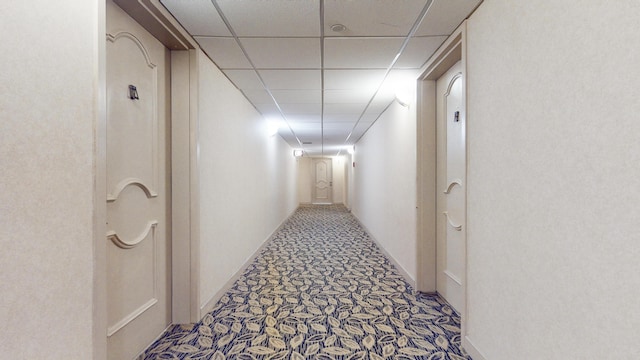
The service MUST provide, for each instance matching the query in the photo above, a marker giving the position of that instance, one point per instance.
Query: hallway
(320, 289)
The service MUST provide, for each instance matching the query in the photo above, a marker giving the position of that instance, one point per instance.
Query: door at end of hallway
(322, 191)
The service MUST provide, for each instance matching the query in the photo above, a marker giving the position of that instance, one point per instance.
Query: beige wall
(554, 163)
(248, 180)
(384, 184)
(337, 163)
(48, 111)
(304, 180)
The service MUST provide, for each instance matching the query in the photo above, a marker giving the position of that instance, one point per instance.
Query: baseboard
(471, 349)
(209, 305)
(393, 260)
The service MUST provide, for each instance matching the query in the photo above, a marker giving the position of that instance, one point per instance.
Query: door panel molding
(123, 244)
(124, 321)
(454, 226)
(127, 182)
(113, 38)
(152, 135)
(129, 318)
(451, 185)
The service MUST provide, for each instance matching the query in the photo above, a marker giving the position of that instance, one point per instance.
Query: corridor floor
(320, 289)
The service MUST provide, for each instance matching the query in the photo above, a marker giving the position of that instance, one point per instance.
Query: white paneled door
(452, 187)
(138, 302)
(322, 181)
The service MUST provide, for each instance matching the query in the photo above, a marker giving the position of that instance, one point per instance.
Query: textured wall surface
(248, 179)
(554, 179)
(384, 195)
(47, 118)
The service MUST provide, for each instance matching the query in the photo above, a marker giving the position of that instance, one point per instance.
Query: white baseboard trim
(393, 260)
(471, 349)
(209, 305)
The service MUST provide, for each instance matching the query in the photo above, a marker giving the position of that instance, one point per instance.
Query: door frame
(450, 52)
(161, 24)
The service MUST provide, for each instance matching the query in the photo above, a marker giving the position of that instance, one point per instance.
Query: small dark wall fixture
(133, 93)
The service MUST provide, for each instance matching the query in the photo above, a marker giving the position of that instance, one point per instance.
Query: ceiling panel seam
(413, 30)
(322, 77)
(244, 51)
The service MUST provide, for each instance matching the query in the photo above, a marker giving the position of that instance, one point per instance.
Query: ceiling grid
(327, 87)
(322, 77)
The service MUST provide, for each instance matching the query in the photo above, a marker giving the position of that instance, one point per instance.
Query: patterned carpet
(321, 289)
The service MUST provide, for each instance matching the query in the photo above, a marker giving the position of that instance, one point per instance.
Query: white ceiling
(325, 88)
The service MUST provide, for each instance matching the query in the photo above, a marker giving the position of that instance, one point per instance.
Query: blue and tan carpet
(320, 289)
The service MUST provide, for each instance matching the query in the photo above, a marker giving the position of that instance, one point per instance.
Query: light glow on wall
(273, 125)
(351, 149)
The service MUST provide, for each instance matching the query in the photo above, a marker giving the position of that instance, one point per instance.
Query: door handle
(330, 183)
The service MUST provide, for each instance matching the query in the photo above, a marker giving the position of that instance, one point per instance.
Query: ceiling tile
(283, 53)
(398, 80)
(288, 136)
(267, 108)
(273, 18)
(371, 117)
(306, 128)
(244, 79)
(257, 96)
(418, 51)
(360, 130)
(297, 96)
(334, 150)
(348, 118)
(333, 129)
(360, 52)
(313, 150)
(378, 105)
(198, 17)
(353, 79)
(300, 109)
(344, 109)
(444, 16)
(348, 96)
(301, 118)
(291, 79)
(375, 18)
(225, 52)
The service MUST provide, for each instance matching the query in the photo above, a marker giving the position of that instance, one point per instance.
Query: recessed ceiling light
(338, 28)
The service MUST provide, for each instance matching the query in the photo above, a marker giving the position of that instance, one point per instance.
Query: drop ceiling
(323, 88)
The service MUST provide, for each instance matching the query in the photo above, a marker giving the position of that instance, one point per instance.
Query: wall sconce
(402, 98)
(298, 152)
(272, 126)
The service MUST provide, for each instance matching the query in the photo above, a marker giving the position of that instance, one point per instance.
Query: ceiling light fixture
(338, 28)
